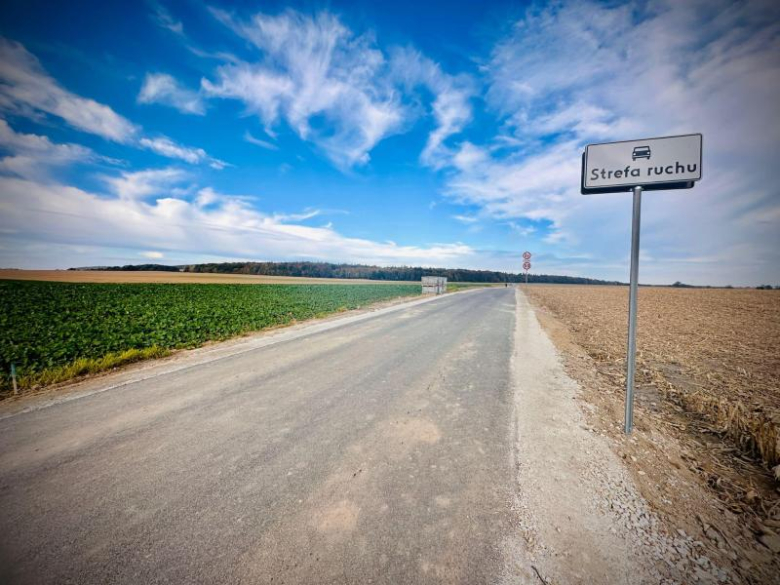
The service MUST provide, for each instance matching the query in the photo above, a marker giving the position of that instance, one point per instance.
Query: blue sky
(423, 133)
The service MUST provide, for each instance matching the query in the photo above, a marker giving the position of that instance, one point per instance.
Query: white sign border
(655, 185)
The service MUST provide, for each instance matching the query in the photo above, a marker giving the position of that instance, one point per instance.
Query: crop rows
(46, 325)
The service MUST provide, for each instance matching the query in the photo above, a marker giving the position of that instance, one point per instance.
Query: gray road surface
(377, 452)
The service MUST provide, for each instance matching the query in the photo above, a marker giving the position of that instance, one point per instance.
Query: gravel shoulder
(673, 518)
(582, 518)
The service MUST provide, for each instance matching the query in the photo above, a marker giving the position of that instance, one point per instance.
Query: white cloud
(164, 19)
(579, 72)
(535, 187)
(451, 108)
(675, 64)
(258, 142)
(34, 156)
(17, 142)
(162, 88)
(524, 231)
(288, 217)
(206, 197)
(166, 147)
(152, 255)
(146, 209)
(467, 219)
(131, 186)
(314, 68)
(25, 88)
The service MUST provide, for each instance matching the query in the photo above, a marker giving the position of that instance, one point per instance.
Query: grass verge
(85, 366)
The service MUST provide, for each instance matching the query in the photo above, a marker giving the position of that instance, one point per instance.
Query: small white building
(434, 285)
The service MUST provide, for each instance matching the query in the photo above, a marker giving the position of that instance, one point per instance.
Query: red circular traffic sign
(526, 266)
(527, 255)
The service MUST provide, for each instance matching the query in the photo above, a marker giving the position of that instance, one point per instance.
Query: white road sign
(673, 162)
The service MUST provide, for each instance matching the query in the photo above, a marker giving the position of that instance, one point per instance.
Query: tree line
(331, 270)
(135, 268)
(393, 273)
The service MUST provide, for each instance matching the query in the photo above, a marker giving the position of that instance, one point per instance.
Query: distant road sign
(527, 255)
(526, 265)
(672, 162)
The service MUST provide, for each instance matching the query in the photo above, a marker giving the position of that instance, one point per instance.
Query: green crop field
(54, 331)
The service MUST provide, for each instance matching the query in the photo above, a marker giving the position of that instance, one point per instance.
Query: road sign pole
(648, 164)
(631, 357)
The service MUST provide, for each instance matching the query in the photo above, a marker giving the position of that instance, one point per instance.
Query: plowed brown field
(705, 451)
(715, 352)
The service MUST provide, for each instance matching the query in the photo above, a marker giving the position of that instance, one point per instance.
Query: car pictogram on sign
(641, 152)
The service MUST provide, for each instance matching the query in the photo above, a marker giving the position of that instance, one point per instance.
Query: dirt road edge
(581, 518)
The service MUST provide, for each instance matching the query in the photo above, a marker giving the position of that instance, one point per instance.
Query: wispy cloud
(467, 219)
(333, 87)
(162, 88)
(30, 155)
(36, 157)
(313, 67)
(451, 108)
(258, 142)
(294, 217)
(164, 19)
(558, 81)
(524, 230)
(166, 147)
(136, 185)
(25, 88)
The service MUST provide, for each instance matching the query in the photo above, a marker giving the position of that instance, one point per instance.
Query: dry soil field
(119, 277)
(708, 402)
(714, 351)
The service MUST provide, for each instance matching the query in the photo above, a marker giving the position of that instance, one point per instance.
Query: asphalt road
(376, 452)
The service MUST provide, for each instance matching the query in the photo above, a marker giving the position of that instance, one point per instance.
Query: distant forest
(135, 268)
(328, 270)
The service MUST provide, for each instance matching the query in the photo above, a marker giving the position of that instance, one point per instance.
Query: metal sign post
(672, 162)
(633, 288)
